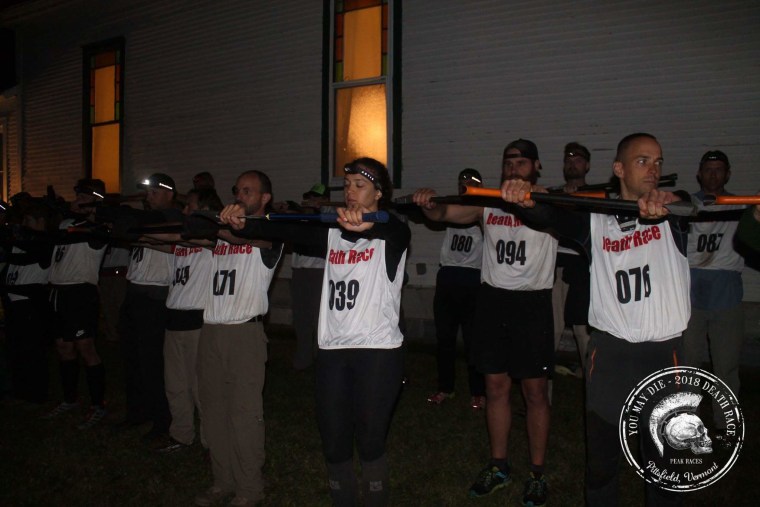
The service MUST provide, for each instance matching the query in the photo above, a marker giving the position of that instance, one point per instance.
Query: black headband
(371, 177)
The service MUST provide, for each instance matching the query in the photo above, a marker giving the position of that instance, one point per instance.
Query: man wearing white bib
(232, 353)
(639, 301)
(716, 282)
(514, 321)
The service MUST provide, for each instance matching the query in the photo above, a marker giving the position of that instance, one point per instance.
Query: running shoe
(478, 402)
(490, 479)
(62, 408)
(439, 397)
(170, 446)
(94, 416)
(534, 493)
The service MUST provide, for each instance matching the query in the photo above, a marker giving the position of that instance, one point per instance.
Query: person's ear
(617, 169)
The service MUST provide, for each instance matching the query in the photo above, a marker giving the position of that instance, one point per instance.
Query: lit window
(104, 112)
(362, 106)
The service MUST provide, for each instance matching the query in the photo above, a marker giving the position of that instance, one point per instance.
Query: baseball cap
(715, 155)
(527, 149)
(158, 180)
(91, 186)
(470, 174)
(577, 150)
(317, 190)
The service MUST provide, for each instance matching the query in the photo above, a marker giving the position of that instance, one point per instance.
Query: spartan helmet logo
(674, 421)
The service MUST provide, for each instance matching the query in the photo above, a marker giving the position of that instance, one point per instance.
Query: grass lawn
(434, 451)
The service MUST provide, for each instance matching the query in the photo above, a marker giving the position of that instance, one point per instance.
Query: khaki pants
(181, 382)
(231, 361)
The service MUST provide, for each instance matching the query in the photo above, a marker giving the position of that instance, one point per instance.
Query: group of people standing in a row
(542, 264)
(193, 338)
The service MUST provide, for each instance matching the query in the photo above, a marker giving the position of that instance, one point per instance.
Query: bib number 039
(343, 294)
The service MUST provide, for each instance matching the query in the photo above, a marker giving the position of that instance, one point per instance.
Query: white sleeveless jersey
(189, 290)
(516, 257)
(711, 244)
(24, 275)
(75, 263)
(639, 281)
(239, 285)
(462, 247)
(150, 267)
(306, 261)
(360, 305)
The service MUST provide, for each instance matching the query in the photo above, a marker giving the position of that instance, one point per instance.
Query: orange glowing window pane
(360, 125)
(105, 155)
(105, 94)
(360, 42)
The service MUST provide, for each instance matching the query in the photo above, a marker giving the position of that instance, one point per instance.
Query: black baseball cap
(91, 186)
(715, 155)
(470, 174)
(527, 149)
(158, 180)
(577, 150)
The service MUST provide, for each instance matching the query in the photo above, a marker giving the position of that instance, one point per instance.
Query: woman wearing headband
(359, 362)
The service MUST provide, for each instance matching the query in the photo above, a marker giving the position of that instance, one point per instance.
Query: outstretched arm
(452, 213)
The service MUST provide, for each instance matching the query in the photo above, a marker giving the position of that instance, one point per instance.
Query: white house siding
(219, 86)
(478, 74)
(9, 107)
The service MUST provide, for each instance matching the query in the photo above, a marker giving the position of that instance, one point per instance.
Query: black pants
(613, 369)
(142, 322)
(454, 307)
(27, 338)
(356, 393)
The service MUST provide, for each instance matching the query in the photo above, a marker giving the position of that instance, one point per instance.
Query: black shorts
(514, 332)
(75, 311)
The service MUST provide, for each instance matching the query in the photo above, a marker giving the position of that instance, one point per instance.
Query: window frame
(88, 51)
(392, 82)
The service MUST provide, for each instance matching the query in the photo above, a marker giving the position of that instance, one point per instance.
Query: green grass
(434, 451)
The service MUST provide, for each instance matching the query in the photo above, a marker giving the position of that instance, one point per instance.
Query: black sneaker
(534, 493)
(171, 446)
(93, 418)
(489, 480)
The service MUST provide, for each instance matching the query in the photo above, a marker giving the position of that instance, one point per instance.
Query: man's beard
(249, 210)
(532, 178)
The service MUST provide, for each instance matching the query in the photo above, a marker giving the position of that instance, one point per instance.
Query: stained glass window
(361, 99)
(105, 115)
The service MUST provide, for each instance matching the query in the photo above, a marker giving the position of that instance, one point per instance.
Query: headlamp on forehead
(88, 191)
(575, 154)
(470, 177)
(360, 170)
(158, 184)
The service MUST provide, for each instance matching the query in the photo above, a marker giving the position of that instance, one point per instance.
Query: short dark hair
(205, 180)
(626, 142)
(264, 182)
(207, 198)
(379, 171)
